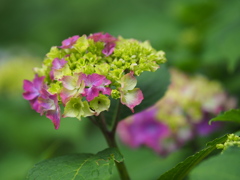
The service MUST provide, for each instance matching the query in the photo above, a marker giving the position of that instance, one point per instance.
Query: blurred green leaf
(231, 115)
(183, 168)
(222, 166)
(77, 166)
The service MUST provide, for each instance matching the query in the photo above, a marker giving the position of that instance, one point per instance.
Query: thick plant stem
(110, 138)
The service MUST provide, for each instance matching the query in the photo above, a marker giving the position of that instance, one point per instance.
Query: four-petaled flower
(73, 86)
(130, 96)
(95, 83)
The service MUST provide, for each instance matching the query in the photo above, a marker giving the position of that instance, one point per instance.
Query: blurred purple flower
(203, 127)
(143, 129)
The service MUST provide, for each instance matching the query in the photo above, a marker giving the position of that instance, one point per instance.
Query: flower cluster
(84, 72)
(179, 116)
(232, 140)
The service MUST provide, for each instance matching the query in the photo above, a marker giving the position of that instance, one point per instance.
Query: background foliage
(198, 37)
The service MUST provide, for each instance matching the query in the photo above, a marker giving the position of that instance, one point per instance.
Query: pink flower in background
(94, 84)
(68, 43)
(203, 127)
(144, 129)
(181, 115)
(110, 42)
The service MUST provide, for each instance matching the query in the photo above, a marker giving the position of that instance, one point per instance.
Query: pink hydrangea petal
(54, 116)
(68, 43)
(105, 90)
(96, 36)
(31, 91)
(38, 82)
(108, 39)
(91, 93)
(132, 98)
(108, 49)
(66, 94)
(58, 63)
(106, 82)
(35, 105)
(94, 79)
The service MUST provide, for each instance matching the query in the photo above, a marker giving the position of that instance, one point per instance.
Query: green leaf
(231, 115)
(77, 166)
(221, 167)
(183, 168)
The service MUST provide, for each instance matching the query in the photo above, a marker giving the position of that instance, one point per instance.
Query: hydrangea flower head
(86, 71)
(182, 114)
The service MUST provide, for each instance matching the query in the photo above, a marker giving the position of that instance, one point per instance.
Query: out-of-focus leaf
(231, 115)
(222, 166)
(77, 166)
(223, 36)
(183, 168)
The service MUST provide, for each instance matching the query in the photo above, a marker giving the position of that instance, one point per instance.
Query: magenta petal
(66, 94)
(109, 42)
(105, 90)
(58, 63)
(54, 116)
(91, 93)
(36, 105)
(94, 79)
(38, 82)
(108, 49)
(32, 89)
(68, 43)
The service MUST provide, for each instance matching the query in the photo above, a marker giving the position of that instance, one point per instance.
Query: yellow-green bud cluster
(232, 140)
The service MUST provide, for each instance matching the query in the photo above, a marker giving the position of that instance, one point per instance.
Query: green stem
(110, 138)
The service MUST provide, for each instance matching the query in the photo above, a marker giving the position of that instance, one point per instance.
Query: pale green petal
(100, 103)
(81, 44)
(128, 82)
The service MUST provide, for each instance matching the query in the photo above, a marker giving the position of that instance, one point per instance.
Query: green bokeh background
(198, 36)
